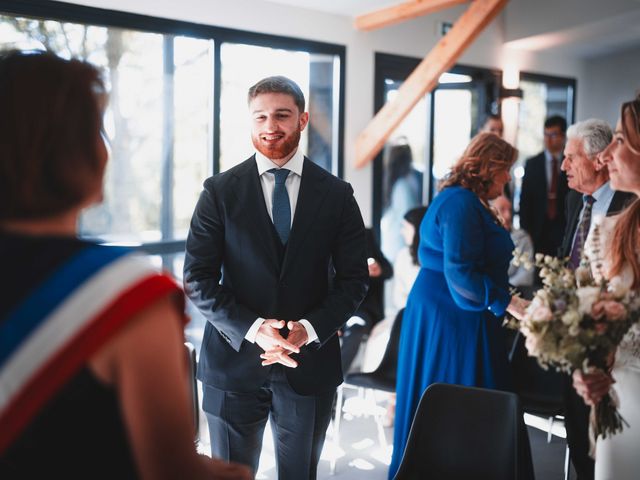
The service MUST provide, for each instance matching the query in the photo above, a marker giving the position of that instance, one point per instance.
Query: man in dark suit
(276, 262)
(371, 310)
(591, 196)
(544, 188)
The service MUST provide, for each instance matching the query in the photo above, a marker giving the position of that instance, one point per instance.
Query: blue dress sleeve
(463, 242)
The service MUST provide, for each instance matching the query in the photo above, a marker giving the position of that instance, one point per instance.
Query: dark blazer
(373, 304)
(533, 199)
(236, 270)
(573, 207)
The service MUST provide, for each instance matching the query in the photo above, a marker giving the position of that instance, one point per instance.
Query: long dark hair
(414, 217)
(398, 166)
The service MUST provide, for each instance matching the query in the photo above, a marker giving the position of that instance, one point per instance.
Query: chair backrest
(461, 433)
(383, 377)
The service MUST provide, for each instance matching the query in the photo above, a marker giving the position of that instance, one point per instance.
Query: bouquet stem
(605, 420)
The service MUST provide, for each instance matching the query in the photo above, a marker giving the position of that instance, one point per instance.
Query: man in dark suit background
(544, 188)
(591, 196)
(276, 262)
(371, 310)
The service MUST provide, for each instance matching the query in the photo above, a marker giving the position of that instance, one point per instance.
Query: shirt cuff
(311, 333)
(252, 333)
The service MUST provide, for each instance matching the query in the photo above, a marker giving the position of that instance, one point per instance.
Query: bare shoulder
(156, 328)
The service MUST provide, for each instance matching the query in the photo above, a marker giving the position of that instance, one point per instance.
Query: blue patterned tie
(281, 208)
(581, 232)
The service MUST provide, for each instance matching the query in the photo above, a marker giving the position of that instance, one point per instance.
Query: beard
(279, 150)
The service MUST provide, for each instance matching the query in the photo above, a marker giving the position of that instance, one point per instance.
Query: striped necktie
(581, 232)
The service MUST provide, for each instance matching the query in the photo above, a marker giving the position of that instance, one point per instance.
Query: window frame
(66, 12)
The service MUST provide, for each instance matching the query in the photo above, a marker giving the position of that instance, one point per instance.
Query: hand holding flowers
(575, 323)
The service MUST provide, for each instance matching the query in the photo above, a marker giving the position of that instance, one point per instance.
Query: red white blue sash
(50, 335)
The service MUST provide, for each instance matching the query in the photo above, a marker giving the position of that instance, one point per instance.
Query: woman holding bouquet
(617, 456)
(451, 330)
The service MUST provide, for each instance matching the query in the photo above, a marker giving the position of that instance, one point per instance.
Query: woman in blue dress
(451, 330)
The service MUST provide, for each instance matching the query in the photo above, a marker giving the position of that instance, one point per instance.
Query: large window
(177, 110)
(157, 123)
(315, 73)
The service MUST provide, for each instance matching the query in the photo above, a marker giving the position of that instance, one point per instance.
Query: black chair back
(383, 377)
(464, 432)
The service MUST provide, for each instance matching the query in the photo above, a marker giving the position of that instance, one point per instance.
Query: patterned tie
(581, 232)
(281, 208)
(552, 193)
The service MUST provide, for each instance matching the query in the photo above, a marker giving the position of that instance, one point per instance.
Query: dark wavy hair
(399, 165)
(485, 156)
(50, 124)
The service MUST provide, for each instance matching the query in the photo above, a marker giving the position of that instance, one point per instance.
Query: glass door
(422, 149)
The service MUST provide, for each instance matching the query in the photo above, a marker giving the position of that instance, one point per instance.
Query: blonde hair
(485, 156)
(626, 235)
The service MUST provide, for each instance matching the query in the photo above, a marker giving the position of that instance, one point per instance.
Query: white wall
(604, 91)
(412, 38)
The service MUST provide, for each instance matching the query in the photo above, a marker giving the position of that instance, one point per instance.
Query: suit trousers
(299, 424)
(577, 425)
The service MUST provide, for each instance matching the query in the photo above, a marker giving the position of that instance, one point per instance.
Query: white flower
(586, 297)
(571, 317)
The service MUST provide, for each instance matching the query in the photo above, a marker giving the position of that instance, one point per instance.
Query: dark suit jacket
(236, 270)
(373, 304)
(533, 199)
(573, 207)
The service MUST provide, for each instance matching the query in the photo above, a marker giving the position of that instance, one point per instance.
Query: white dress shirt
(292, 183)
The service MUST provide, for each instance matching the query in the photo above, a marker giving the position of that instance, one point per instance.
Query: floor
(360, 456)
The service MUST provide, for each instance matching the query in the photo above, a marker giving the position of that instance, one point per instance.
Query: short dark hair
(50, 123)
(556, 121)
(278, 84)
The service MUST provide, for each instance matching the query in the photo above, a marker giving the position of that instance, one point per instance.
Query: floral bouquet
(577, 321)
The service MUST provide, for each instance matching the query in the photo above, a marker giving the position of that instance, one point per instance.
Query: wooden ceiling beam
(425, 77)
(399, 13)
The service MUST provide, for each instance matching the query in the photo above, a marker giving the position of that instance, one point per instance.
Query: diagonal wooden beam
(399, 13)
(425, 77)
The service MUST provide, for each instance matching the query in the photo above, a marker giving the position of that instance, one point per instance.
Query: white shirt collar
(294, 164)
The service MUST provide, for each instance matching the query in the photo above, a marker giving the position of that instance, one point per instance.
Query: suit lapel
(248, 192)
(313, 190)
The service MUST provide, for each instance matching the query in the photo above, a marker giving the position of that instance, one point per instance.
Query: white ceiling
(605, 26)
(348, 8)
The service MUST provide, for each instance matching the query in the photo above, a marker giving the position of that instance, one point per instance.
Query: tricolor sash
(50, 335)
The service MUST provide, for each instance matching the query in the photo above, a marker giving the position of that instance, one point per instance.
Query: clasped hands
(278, 349)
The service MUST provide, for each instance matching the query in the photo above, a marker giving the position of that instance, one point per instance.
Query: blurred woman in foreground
(92, 366)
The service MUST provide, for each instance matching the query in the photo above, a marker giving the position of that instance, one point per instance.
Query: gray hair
(595, 134)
